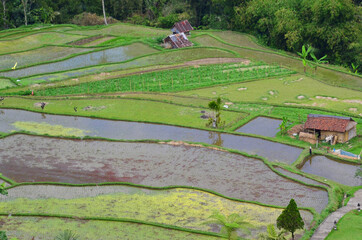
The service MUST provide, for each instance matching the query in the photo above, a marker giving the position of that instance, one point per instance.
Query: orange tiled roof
(327, 123)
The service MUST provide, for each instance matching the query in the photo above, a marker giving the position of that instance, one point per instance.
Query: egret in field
(15, 66)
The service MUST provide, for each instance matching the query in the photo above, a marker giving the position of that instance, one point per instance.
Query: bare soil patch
(85, 40)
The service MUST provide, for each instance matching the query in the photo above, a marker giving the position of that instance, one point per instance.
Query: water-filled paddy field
(132, 130)
(261, 126)
(85, 161)
(118, 54)
(333, 169)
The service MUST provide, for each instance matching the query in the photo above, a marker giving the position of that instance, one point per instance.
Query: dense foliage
(331, 27)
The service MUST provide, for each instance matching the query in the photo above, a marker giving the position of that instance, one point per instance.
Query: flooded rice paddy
(133, 130)
(112, 55)
(261, 126)
(85, 161)
(338, 171)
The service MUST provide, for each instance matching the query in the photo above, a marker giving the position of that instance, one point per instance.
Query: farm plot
(296, 90)
(40, 55)
(123, 30)
(4, 83)
(176, 79)
(119, 54)
(48, 228)
(159, 165)
(164, 58)
(328, 76)
(35, 41)
(179, 207)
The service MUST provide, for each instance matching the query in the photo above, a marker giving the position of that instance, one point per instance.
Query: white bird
(15, 65)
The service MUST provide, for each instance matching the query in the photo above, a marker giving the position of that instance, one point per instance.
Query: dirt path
(327, 225)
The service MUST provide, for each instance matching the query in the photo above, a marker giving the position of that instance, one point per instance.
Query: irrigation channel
(273, 151)
(113, 55)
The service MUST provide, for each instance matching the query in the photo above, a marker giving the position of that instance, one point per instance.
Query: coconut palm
(304, 54)
(104, 13)
(229, 224)
(215, 106)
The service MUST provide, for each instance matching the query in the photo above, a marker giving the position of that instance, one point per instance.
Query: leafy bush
(168, 21)
(91, 19)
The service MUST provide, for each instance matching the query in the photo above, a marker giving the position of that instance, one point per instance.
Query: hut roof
(178, 40)
(182, 26)
(329, 123)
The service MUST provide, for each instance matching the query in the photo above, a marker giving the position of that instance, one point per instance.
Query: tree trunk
(4, 16)
(292, 235)
(25, 4)
(104, 13)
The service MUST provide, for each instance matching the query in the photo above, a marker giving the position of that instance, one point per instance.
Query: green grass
(286, 90)
(326, 75)
(156, 59)
(35, 41)
(4, 83)
(349, 227)
(121, 29)
(49, 228)
(126, 109)
(174, 80)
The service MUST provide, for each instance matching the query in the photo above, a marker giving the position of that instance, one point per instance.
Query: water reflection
(261, 126)
(133, 130)
(338, 171)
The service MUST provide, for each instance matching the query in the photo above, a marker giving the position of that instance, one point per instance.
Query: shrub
(168, 21)
(91, 19)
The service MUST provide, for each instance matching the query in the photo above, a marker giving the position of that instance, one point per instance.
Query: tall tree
(4, 13)
(25, 6)
(290, 218)
(104, 13)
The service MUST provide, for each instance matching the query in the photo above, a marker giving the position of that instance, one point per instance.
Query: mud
(27, 158)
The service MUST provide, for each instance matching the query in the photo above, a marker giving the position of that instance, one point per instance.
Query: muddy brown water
(33, 158)
(118, 54)
(136, 131)
(332, 169)
(261, 126)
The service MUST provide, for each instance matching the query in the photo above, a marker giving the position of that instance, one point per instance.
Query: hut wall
(351, 133)
(342, 137)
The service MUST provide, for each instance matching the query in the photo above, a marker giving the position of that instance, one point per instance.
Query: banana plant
(318, 61)
(304, 54)
(355, 68)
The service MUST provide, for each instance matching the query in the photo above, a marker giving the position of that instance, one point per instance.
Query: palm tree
(355, 68)
(229, 224)
(272, 234)
(67, 235)
(104, 13)
(215, 106)
(318, 61)
(304, 55)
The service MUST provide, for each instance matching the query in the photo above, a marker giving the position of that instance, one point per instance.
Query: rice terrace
(106, 133)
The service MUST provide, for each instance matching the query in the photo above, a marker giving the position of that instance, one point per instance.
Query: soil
(85, 41)
(175, 163)
(296, 129)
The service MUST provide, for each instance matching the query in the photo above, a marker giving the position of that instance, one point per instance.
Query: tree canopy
(290, 218)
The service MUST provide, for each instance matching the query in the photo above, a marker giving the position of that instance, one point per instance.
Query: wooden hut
(177, 41)
(324, 126)
(182, 27)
